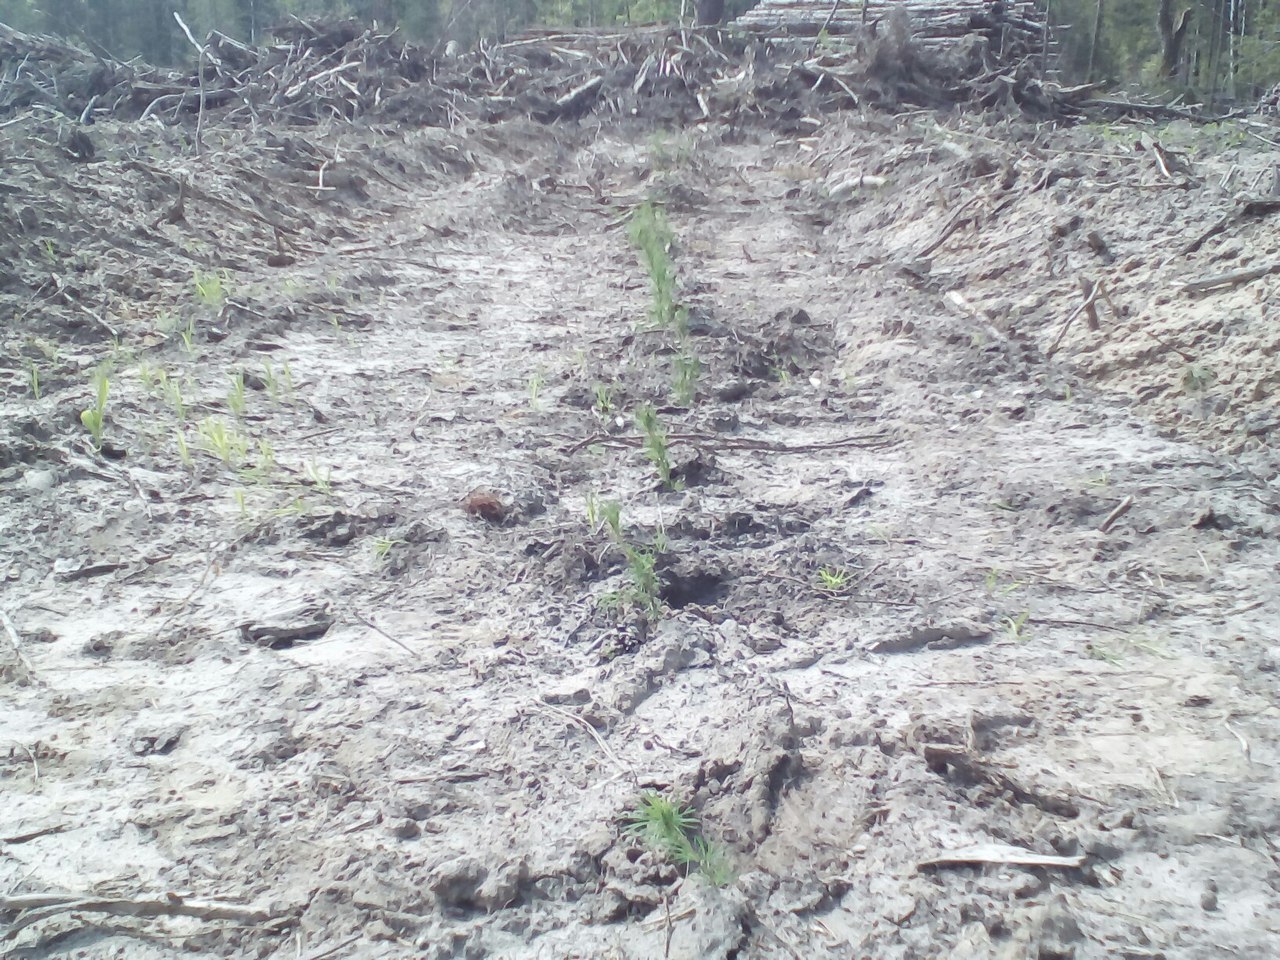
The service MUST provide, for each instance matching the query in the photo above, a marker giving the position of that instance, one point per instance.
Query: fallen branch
(33, 908)
(1230, 279)
(1001, 855)
(724, 443)
(15, 641)
(1093, 290)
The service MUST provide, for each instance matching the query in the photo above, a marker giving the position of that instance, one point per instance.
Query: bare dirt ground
(278, 677)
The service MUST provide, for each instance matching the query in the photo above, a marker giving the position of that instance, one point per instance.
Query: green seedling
(173, 394)
(382, 547)
(94, 418)
(264, 464)
(611, 513)
(536, 383)
(833, 580)
(49, 250)
(1100, 479)
(672, 831)
(1015, 627)
(278, 384)
(188, 334)
(236, 398)
(656, 448)
(242, 504)
(184, 450)
(604, 400)
(685, 377)
(995, 586)
(320, 478)
(227, 445)
(652, 237)
(604, 514)
(211, 290)
(1196, 380)
(33, 379)
(297, 507)
(643, 593)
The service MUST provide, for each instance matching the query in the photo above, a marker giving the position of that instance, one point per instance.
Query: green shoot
(188, 334)
(611, 513)
(173, 393)
(184, 451)
(685, 377)
(265, 463)
(672, 831)
(382, 547)
(94, 418)
(229, 446)
(236, 401)
(1196, 380)
(655, 444)
(33, 379)
(1015, 627)
(643, 592)
(320, 478)
(210, 289)
(833, 580)
(652, 237)
(604, 399)
(536, 383)
(996, 587)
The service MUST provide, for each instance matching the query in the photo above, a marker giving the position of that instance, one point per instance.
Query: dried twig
(33, 908)
(1094, 290)
(15, 641)
(1123, 507)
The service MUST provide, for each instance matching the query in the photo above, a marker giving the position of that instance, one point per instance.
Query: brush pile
(314, 72)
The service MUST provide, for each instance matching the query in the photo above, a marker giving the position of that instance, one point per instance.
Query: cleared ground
(967, 642)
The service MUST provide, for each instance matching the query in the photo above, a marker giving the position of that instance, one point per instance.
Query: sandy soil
(325, 696)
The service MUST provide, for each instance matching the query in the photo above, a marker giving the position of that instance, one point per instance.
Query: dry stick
(1087, 305)
(1234, 278)
(203, 50)
(827, 23)
(1123, 507)
(722, 443)
(322, 953)
(42, 906)
(16, 642)
(377, 629)
(574, 718)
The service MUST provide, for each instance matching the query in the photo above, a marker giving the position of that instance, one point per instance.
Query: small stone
(404, 829)
(38, 479)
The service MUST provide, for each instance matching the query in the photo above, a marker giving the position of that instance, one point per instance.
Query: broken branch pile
(343, 70)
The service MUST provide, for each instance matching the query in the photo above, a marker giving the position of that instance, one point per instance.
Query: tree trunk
(1097, 38)
(1171, 37)
(707, 13)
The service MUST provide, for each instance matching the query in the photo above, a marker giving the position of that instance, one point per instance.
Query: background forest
(1224, 49)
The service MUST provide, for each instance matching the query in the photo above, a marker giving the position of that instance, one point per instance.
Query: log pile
(1014, 28)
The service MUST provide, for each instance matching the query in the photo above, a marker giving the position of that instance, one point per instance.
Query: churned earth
(967, 609)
